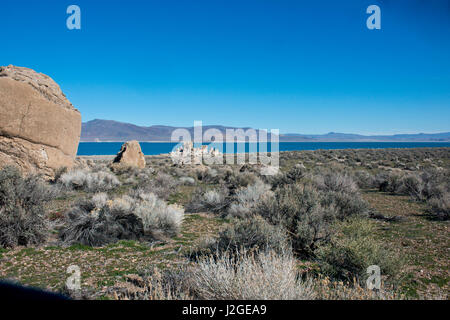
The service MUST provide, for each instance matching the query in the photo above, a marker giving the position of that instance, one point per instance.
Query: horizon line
(281, 133)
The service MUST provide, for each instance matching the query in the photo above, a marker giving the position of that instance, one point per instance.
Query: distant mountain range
(108, 130)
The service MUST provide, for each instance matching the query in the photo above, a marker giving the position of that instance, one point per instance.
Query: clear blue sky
(299, 66)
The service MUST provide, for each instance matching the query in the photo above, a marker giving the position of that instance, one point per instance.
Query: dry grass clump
(22, 214)
(326, 289)
(153, 285)
(83, 179)
(241, 276)
(249, 276)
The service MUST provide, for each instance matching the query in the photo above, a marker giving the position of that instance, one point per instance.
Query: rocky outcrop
(39, 128)
(130, 155)
(188, 154)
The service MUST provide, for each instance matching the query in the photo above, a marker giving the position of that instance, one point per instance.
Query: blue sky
(298, 66)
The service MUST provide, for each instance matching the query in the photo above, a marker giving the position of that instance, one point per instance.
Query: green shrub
(298, 209)
(352, 250)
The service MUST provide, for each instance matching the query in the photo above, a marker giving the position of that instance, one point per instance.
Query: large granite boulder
(130, 155)
(39, 128)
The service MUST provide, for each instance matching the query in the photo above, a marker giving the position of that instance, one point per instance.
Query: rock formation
(130, 155)
(188, 154)
(39, 128)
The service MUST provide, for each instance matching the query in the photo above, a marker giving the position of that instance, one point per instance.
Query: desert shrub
(337, 182)
(59, 172)
(125, 170)
(189, 181)
(413, 186)
(263, 276)
(379, 179)
(215, 201)
(251, 233)
(97, 166)
(22, 214)
(346, 205)
(266, 170)
(93, 222)
(299, 210)
(422, 186)
(132, 174)
(246, 199)
(158, 217)
(392, 184)
(237, 180)
(99, 220)
(440, 206)
(352, 250)
(208, 175)
(435, 183)
(297, 172)
(170, 284)
(89, 181)
(99, 200)
(278, 180)
(163, 185)
(365, 180)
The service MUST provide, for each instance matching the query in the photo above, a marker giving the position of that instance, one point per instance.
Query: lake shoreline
(159, 149)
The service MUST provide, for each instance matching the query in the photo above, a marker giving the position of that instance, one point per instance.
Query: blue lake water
(155, 148)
